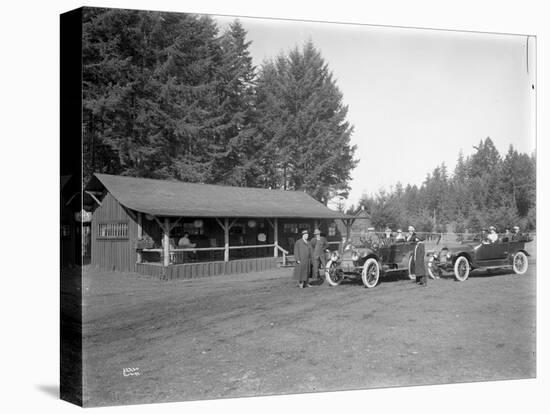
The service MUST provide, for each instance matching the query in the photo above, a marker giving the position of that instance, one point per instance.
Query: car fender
(369, 256)
(466, 255)
(511, 255)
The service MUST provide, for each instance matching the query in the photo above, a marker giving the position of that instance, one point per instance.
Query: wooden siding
(113, 254)
(206, 269)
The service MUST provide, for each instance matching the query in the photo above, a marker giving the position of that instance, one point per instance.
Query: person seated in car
(492, 237)
(516, 234)
(506, 236)
(400, 237)
(387, 237)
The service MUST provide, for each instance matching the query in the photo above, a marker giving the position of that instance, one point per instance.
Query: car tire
(333, 275)
(410, 273)
(462, 269)
(520, 263)
(370, 273)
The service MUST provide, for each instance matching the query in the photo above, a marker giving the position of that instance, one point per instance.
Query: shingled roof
(179, 199)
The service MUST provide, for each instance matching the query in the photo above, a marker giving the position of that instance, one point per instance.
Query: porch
(205, 269)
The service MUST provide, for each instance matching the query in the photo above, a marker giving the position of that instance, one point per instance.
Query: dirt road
(257, 334)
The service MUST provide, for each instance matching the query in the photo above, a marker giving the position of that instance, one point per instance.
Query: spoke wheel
(462, 269)
(520, 263)
(371, 273)
(410, 272)
(333, 274)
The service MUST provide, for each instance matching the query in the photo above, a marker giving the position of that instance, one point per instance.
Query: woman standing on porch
(302, 256)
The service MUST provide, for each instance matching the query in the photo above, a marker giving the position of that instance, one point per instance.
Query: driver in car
(516, 235)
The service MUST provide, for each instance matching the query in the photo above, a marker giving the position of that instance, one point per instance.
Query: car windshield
(365, 239)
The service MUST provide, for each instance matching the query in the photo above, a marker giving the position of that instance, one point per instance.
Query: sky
(416, 97)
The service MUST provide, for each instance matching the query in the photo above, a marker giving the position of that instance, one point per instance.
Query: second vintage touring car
(479, 254)
(369, 258)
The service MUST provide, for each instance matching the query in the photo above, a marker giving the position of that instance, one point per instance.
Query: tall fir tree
(301, 116)
(150, 97)
(231, 143)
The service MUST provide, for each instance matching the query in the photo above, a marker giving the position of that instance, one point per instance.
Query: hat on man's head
(516, 227)
(399, 230)
(411, 228)
(317, 231)
(370, 229)
(492, 228)
(305, 232)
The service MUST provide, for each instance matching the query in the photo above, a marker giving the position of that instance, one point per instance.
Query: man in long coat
(418, 257)
(302, 256)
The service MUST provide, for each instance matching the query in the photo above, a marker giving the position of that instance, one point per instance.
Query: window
(113, 230)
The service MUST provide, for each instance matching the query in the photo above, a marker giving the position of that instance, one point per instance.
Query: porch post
(315, 224)
(226, 239)
(276, 237)
(166, 239)
(139, 234)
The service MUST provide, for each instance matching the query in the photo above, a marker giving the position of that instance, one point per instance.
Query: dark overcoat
(419, 255)
(302, 254)
(318, 247)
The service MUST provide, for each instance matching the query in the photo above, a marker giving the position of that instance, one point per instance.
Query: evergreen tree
(232, 143)
(150, 93)
(302, 120)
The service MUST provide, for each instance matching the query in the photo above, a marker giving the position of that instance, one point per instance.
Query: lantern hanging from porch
(262, 237)
(251, 223)
(198, 223)
(149, 217)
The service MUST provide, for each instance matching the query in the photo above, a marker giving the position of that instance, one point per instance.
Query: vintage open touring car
(369, 259)
(479, 254)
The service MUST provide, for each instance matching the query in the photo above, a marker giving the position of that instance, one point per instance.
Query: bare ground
(257, 334)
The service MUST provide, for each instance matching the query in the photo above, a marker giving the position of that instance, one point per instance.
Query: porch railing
(182, 255)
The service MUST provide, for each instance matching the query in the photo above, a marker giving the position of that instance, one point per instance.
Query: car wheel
(410, 272)
(333, 274)
(432, 271)
(371, 273)
(520, 263)
(462, 269)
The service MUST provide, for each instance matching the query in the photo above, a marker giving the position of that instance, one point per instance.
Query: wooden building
(138, 223)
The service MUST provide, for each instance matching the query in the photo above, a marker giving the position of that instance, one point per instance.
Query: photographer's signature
(131, 372)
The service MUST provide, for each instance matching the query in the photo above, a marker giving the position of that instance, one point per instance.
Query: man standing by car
(302, 256)
(319, 246)
(411, 235)
(418, 257)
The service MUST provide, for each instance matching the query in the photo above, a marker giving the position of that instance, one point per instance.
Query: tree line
(166, 95)
(484, 189)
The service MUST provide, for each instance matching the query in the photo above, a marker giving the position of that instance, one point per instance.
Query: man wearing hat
(302, 256)
(319, 246)
(411, 235)
(492, 236)
(516, 234)
(418, 257)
